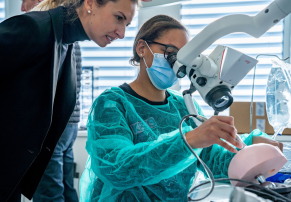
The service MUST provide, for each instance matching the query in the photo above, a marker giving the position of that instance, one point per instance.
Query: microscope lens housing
(219, 98)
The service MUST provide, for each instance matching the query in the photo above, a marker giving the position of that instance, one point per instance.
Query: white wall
(12, 7)
(80, 153)
(159, 2)
(147, 13)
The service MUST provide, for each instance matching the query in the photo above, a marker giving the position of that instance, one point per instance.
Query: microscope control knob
(201, 81)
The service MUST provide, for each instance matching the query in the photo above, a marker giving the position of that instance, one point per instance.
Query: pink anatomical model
(255, 160)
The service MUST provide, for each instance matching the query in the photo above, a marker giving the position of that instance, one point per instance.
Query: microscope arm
(255, 26)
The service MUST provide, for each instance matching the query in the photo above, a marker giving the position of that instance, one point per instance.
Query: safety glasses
(168, 48)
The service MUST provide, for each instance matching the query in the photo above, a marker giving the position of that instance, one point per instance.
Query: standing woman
(38, 82)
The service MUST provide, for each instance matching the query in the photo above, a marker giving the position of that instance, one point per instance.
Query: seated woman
(135, 150)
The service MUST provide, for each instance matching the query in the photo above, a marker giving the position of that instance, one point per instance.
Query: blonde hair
(50, 4)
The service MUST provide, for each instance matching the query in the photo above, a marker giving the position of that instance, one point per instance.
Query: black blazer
(35, 105)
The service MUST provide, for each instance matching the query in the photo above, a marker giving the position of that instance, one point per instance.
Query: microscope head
(216, 75)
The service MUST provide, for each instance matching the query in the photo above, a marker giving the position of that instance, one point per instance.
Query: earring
(140, 55)
(89, 11)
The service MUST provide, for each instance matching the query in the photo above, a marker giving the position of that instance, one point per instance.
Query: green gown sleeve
(117, 161)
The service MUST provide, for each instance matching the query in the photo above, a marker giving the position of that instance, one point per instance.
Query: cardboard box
(241, 113)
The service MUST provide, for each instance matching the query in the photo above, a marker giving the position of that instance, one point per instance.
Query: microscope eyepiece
(172, 57)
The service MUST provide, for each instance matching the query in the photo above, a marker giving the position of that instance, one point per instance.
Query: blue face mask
(161, 74)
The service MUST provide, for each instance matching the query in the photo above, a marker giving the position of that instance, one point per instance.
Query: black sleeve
(19, 41)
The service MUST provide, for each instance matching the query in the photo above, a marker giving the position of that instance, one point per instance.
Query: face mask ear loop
(145, 62)
(149, 47)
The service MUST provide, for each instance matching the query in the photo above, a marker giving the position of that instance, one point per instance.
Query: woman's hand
(211, 131)
(259, 139)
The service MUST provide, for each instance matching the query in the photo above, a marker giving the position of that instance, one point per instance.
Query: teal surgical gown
(137, 154)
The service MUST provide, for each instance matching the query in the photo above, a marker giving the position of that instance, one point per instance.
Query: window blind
(196, 15)
(2, 10)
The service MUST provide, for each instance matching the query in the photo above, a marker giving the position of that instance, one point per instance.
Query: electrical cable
(209, 173)
(253, 86)
(247, 182)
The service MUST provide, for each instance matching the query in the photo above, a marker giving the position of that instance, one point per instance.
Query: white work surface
(221, 192)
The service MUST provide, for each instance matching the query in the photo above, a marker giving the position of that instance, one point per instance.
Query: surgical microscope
(216, 75)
